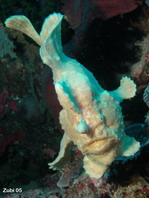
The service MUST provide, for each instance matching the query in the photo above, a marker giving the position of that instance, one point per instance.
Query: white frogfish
(91, 117)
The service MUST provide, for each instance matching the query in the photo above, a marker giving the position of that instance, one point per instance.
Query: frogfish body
(91, 116)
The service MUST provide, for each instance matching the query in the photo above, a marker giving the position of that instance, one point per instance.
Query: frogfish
(91, 117)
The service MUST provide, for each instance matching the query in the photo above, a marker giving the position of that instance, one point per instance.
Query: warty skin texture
(91, 116)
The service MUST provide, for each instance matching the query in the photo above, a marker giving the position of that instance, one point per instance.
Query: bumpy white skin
(91, 116)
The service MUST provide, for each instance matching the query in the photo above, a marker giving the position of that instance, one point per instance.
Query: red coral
(80, 186)
(81, 13)
(107, 9)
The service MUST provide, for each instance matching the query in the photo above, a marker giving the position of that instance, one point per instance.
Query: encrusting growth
(91, 116)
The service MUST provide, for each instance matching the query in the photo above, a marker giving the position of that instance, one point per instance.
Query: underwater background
(111, 39)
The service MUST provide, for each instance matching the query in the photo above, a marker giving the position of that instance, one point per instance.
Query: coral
(82, 188)
(81, 10)
(35, 193)
(139, 71)
(71, 170)
(91, 116)
(6, 45)
(81, 14)
(135, 189)
(32, 67)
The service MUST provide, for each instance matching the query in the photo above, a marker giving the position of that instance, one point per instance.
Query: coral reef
(23, 115)
(6, 44)
(81, 14)
(29, 108)
(139, 71)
